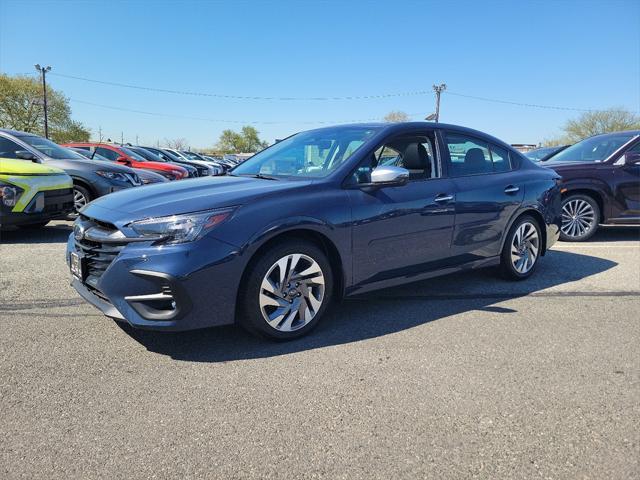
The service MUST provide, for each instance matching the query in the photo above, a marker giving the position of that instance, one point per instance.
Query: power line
(245, 97)
(241, 122)
(532, 105)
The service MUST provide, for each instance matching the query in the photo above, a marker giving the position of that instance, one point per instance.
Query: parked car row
(94, 168)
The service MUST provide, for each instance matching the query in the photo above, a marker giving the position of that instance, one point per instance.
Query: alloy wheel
(79, 200)
(525, 247)
(292, 292)
(578, 218)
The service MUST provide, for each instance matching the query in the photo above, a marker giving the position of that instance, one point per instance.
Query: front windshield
(50, 149)
(134, 155)
(594, 149)
(307, 154)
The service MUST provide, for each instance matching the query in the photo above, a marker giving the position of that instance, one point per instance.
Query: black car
(310, 219)
(91, 179)
(600, 183)
(203, 169)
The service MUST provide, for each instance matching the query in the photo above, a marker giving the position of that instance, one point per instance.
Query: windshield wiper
(256, 175)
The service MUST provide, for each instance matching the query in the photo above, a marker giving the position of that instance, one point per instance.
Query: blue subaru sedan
(321, 215)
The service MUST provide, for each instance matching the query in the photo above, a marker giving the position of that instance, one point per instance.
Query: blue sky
(583, 54)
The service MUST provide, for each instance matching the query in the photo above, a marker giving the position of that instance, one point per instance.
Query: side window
(109, 154)
(500, 159)
(8, 148)
(469, 156)
(82, 147)
(415, 153)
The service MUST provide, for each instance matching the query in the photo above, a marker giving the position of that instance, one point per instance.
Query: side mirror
(631, 158)
(26, 155)
(123, 160)
(389, 176)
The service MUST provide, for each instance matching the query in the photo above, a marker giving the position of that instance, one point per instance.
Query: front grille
(56, 202)
(98, 256)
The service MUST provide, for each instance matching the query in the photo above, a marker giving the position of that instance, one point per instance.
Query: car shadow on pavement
(616, 233)
(56, 233)
(384, 312)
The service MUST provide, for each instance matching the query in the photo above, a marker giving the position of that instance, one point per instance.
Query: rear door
(626, 186)
(489, 191)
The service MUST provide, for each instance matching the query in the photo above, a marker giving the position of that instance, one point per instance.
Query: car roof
(400, 127)
(16, 133)
(633, 132)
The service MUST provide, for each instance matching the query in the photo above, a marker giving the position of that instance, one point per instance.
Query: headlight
(181, 228)
(10, 194)
(113, 175)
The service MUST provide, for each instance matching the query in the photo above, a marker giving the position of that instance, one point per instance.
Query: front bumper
(179, 287)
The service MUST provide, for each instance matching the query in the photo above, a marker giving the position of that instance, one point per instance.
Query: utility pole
(121, 138)
(137, 142)
(438, 89)
(43, 72)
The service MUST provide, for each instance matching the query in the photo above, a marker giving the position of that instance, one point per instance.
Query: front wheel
(287, 291)
(81, 197)
(580, 216)
(522, 249)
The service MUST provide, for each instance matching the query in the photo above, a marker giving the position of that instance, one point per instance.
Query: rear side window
(107, 153)
(468, 155)
(500, 159)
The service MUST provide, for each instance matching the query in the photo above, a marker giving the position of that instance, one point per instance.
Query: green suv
(32, 194)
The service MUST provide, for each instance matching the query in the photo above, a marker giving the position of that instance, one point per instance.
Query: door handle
(511, 189)
(443, 198)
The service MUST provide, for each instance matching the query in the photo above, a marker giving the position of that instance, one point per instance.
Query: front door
(406, 230)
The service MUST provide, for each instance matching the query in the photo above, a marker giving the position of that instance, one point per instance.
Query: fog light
(9, 195)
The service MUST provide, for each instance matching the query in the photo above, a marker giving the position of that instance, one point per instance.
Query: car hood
(88, 165)
(174, 198)
(161, 166)
(568, 165)
(10, 166)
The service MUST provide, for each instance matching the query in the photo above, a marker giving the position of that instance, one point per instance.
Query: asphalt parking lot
(466, 376)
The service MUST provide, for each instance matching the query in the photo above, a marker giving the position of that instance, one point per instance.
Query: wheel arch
(538, 217)
(307, 234)
(84, 184)
(589, 192)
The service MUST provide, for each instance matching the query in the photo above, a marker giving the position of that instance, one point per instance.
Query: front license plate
(75, 263)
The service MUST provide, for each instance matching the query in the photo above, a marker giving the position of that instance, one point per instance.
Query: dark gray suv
(91, 179)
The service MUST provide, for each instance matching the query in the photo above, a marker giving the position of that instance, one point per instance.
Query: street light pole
(438, 89)
(43, 72)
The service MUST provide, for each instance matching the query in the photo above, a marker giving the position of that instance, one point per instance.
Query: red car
(128, 157)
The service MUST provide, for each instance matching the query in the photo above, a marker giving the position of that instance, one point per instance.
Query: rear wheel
(580, 217)
(287, 291)
(522, 249)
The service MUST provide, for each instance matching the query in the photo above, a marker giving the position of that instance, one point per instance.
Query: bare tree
(176, 143)
(594, 123)
(396, 116)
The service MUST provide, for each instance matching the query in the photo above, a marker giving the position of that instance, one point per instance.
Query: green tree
(245, 141)
(594, 123)
(396, 116)
(21, 109)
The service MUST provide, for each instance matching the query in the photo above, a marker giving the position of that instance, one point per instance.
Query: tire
(81, 196)
(523, 244)
(294, 311)
(580, 218)
(33, 226)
